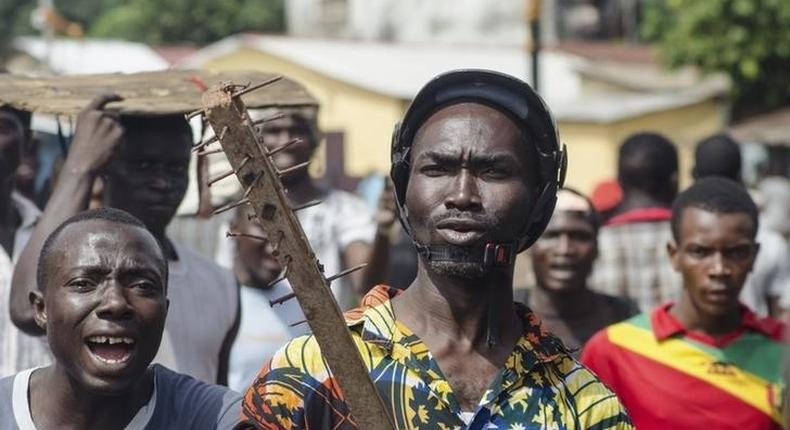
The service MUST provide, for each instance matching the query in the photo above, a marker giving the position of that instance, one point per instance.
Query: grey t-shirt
(178, 402)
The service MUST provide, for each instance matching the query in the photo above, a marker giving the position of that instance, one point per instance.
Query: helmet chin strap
(489, 255)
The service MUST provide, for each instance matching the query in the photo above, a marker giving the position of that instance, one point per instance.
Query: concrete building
(599, 94)
(461, 21)
(79, 56)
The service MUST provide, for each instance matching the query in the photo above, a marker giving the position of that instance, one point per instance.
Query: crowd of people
(661, 312)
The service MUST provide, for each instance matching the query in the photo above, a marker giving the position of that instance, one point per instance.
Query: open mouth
(111, 349)
(562, 267)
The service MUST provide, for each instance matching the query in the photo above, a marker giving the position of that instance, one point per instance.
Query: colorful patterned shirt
(540, 387)
(672, 378)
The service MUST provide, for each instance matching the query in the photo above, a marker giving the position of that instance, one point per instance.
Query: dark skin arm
(98, 134)
(227, 344)
(376, 254)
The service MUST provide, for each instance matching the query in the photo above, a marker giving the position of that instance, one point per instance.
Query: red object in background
(606, 195)
(641, 215)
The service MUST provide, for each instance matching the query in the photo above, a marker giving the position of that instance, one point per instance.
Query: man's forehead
(285, 117)
(697, 222)
(466, 111)
(95, 236)
(6, 115)
(567, 219)
(466, 122)
(155, 143)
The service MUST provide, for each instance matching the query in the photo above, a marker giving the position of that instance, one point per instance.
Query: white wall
(459, 21)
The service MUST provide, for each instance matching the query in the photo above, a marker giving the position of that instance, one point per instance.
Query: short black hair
(24, 117)
(647, 162)
(105, 214)
(714, 194)
(170, 123)
(717, 155)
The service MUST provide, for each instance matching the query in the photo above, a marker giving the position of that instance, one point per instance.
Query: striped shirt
(671, 378)
(540, 387)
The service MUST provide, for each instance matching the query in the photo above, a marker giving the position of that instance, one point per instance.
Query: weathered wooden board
(148, 93)
(257, 174)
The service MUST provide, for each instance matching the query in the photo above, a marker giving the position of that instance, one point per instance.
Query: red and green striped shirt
(671, 378)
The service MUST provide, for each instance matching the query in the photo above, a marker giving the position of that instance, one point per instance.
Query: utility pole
(532, 15)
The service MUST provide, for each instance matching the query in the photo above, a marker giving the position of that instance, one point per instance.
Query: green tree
(151, 21)
(156, 21)
(14, 20)
(749, 40)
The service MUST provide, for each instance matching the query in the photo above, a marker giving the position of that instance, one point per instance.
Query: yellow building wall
(592, 148)
(366, 118)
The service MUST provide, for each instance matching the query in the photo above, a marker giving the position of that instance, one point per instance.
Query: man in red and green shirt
(705, 361)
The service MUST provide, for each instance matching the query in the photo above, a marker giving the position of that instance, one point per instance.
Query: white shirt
(341, 219)
(770, 276)
(203, 307)
(18, 350)
(261, 334)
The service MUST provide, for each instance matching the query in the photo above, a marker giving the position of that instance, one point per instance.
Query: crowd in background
(598, 263)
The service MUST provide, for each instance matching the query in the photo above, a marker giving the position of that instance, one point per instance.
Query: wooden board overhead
(148, 93)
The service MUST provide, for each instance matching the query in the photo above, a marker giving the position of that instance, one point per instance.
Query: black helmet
(504, 93)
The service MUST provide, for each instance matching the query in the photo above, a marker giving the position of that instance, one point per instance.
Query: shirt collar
(665, 325)
(28, 211)
(641, 215)
(377, 319)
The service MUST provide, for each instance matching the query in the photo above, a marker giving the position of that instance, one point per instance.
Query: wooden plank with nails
(267, 197)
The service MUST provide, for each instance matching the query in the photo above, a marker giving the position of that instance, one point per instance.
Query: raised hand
(97, 136)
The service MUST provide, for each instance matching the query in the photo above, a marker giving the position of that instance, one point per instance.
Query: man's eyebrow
(90, 269)
(139, 268)
(478, 158)
(135, 268)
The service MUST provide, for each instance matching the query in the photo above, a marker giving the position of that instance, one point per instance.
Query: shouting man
(476, 166)
(705, 361)
(144, 161)
(562, 260)
(102, 303)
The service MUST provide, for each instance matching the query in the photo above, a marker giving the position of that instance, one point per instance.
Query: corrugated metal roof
(89, 56)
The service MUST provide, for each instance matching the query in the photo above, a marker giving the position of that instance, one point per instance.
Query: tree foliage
(151, 21)
(156, 21)
(749, 40)
(14, 20)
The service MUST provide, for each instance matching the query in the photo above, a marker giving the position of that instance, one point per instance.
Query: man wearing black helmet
(476, 165)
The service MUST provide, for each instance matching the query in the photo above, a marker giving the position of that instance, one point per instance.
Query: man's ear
(39, 309)
(674, 257)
